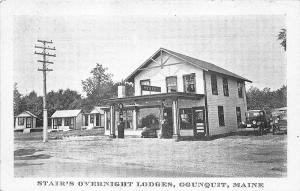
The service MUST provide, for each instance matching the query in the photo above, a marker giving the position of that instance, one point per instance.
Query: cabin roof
(66, 113)
(26, 114)
(190, 60)
(98, 109)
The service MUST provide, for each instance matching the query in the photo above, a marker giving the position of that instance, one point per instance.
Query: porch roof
(154, 97)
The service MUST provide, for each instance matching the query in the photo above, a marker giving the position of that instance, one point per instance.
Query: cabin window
(189, 84)
(185, 116)
(91, 118)
(21, 121)
(147, 83)
(86, 120)
(171, 82)
(59, 121)
(240, 89)
(225, 87)
(67, 121)
(221, 116)
(214, 84)
(238, 115)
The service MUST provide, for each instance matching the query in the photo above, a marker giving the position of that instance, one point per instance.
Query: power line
(45, 69)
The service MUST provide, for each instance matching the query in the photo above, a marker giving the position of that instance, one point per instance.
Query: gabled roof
(98, 109)
(66, 113)
(26, 114)
(193, 61)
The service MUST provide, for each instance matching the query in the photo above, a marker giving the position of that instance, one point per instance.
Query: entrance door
(28, 122)
(199, 121)
(167, 115)
(97, 119)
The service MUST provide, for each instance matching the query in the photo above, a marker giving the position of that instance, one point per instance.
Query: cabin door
(199, 121)
(28, 122)
(97, 119)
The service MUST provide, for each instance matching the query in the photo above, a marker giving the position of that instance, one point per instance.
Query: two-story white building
(197, 98)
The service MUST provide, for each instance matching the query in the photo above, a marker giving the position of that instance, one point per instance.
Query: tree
(266, 99)
(99, 85)
(63, 99)
(282, 37)
(18, 102)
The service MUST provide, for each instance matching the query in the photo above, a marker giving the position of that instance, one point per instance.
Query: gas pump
(121, 125)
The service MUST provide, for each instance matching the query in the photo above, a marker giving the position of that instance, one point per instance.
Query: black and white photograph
(143, 98)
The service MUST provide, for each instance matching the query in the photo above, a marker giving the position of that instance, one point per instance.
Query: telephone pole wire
(45, 47)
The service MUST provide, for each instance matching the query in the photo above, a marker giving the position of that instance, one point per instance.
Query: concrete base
(176, 137)
(112, 136)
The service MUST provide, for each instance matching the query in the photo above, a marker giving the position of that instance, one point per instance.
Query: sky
(244, 44)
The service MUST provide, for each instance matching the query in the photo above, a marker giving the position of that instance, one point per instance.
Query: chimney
(121, 91)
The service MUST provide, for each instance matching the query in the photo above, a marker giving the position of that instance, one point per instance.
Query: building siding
(229, 104)
(158, 75)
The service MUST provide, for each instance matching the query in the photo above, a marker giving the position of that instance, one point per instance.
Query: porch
(184, 114)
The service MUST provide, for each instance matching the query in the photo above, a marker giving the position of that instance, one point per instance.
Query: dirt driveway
(99, 156)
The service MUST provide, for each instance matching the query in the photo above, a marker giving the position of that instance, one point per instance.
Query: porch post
(112, 122)
(175, 119)
(105, 120)
(134, 119)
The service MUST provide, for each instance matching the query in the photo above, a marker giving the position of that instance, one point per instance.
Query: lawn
(99, 156)
(19, 136)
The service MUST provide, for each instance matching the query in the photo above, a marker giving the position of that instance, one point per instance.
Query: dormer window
(189, 84)
(171, 83)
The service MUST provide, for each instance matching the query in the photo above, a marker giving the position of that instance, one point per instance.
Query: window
(59, 121)
(171, 84)
(214, 84)
(67, 121)
(189, 84)
(91, 118)
(86, 120)
(225, 87)
(221, 115)
(185, 116)
(71, 126)
(238, 115)
(145, 82)
(240, 89)
(21, 121)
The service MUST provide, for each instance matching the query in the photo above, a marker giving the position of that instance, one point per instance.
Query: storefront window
(189, 83)
(186, 116)
(171, 84)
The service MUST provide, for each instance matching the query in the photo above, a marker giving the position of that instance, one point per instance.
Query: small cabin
(25, 120)
(66, 120)
(94, 119)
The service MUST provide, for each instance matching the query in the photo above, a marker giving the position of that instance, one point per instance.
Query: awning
(153, 97)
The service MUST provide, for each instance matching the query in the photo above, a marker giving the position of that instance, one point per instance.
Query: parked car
(256, 120)
(149, 133)
(279, 120)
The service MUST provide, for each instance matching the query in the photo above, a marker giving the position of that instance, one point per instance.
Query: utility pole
(45, 69)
